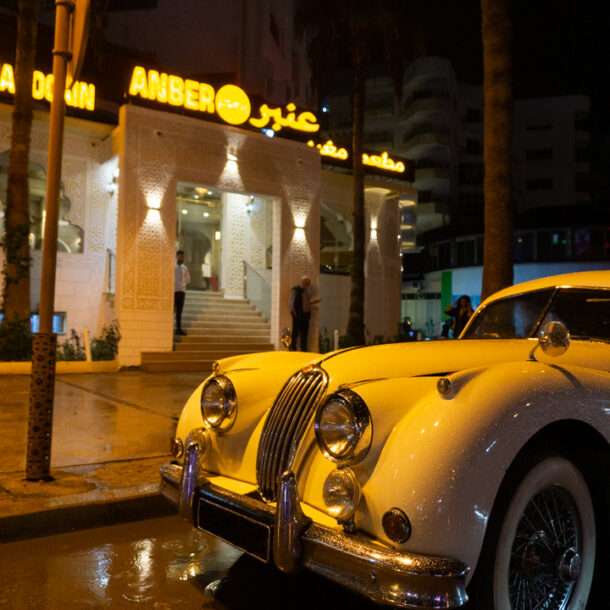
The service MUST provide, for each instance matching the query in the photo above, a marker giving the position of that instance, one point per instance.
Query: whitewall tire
(545, 551)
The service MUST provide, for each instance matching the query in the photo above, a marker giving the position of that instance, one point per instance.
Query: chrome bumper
(354, 561)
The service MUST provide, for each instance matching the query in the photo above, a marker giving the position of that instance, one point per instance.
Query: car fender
(444, 461)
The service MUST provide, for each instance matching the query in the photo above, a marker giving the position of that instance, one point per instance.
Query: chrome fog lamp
(341, 493)
(343, 427)
(219, 403)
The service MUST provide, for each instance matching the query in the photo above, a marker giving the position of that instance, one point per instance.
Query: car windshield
(511, 318)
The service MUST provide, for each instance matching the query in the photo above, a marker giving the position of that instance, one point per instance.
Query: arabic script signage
(230, 103)
(80, 95)
(381, 161)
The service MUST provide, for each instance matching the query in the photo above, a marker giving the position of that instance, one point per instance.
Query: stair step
(210, 355)
(221, 326)
(219, 347)
(215, 320)
(219, 315)
(212, 337)
(182, 366)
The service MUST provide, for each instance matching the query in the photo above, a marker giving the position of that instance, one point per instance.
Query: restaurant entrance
(198, 233)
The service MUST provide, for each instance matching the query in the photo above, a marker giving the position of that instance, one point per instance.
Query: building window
(582, 121)
(58, 323)
(444, 255)
(471, 173)
(582, 182)
(539, 154)
(539, 127)
(466, 253)
(524, 247)
(539, 184)
(553, 245)
(473, 146)
(379, 137)
(590, 244)
(473, 115)
(70, 237)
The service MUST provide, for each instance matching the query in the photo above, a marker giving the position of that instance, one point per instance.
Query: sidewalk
(110, 435)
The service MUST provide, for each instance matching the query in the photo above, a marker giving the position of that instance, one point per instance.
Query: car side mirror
(553, 340)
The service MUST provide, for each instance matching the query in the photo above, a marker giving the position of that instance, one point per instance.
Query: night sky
(559, 46)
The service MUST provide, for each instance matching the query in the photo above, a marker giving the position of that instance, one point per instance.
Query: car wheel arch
(581, 444)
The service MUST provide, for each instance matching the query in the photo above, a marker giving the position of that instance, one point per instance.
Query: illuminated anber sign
(381, 161)
(80, 95)
(230, 103)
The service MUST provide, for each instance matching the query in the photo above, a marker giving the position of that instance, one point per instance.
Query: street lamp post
(42, 382)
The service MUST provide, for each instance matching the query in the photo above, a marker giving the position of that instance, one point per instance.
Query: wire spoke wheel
(546, 554)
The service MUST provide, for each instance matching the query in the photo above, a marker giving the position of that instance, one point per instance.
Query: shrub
(106, 347)
(15, 340)
(71, 348)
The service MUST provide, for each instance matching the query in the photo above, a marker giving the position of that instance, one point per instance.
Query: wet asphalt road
(157, 564)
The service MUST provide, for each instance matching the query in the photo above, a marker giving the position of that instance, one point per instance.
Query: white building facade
(238, 202)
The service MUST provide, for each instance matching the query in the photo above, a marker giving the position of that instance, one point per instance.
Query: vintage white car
(420, 474)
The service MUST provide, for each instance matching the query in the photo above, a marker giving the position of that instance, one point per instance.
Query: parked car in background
(424, 473)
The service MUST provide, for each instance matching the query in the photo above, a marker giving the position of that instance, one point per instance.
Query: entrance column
(296, 252)
(235, 229)
(146, 238)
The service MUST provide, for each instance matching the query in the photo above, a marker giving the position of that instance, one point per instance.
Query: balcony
(437, 104)
(426, 139)
(431, 178)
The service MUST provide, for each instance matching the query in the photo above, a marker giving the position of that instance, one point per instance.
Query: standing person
(182, 277)
(300, 308)
(461, 313)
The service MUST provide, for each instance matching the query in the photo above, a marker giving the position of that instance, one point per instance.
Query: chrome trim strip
(356, 562)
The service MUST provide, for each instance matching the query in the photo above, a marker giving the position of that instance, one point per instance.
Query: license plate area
(250, 531)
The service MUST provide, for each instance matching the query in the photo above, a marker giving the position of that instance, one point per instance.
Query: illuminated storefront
(191, 165)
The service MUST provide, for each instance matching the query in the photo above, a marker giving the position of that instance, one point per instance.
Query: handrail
(257, 290)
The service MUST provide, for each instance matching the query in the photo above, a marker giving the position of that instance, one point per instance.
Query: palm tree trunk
(355, 327)
(498, 108)
(17, 217)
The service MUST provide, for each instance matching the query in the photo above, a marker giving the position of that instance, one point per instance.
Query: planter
(64, 367)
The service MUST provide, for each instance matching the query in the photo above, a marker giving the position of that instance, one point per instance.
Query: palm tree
(17, 219)
(498, 107)
(342, 34)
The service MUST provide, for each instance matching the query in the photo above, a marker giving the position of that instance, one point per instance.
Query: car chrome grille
(286, 425)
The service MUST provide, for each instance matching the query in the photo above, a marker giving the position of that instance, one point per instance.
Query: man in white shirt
(182, 277)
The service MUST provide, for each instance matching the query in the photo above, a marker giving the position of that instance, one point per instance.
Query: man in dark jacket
(300, 308)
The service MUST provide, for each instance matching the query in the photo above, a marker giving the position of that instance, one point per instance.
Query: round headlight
(343, 427)
(219, 403)
(341, 494)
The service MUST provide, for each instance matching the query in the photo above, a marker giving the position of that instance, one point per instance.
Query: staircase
(216, 328)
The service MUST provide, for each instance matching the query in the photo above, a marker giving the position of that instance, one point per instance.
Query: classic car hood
(428, 358)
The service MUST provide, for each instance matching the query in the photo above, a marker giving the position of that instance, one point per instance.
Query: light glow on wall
(374, 228)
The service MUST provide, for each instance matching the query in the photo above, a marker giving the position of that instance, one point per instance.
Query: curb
(73, 518)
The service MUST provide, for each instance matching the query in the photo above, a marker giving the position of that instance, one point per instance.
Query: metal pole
(42, 382)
